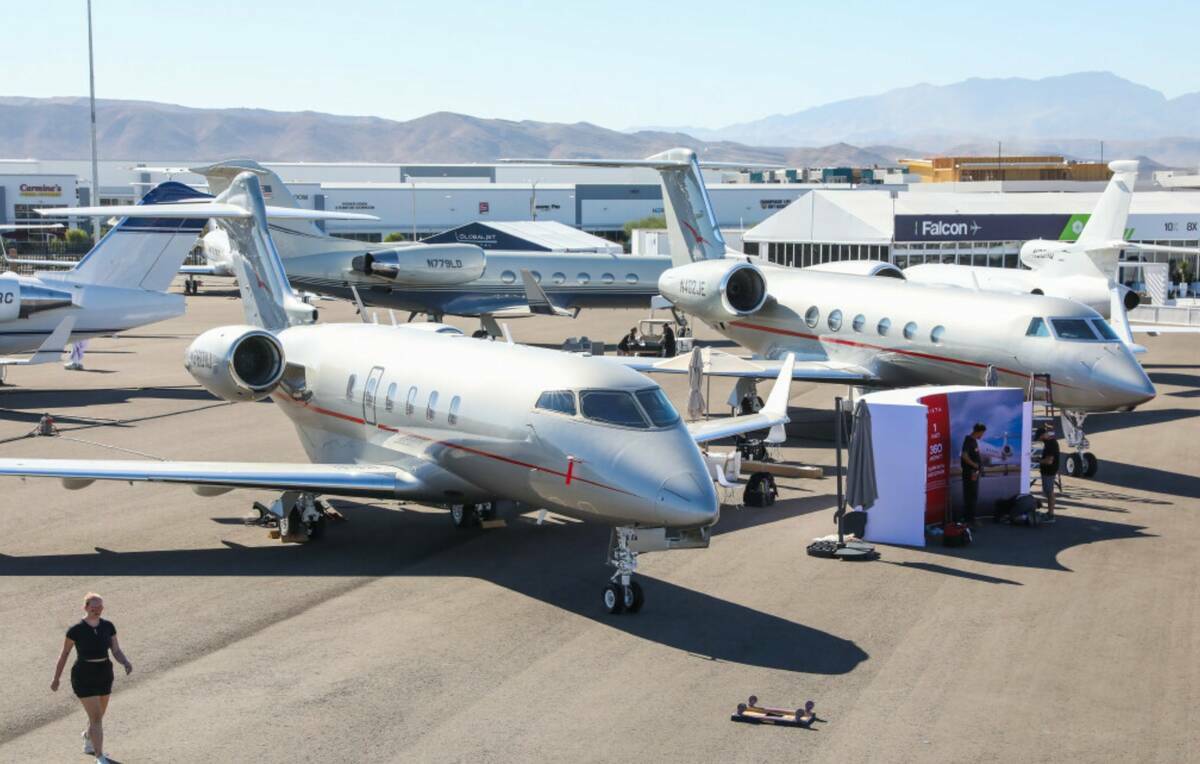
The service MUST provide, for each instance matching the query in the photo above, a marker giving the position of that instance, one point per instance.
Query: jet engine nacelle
(299, 311)
(19, 300)
(236, 363)
(860, 268)
(425, 264)
(715, 289)
(1131, 298)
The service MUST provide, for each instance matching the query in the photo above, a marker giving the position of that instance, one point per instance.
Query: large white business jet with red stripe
(843, 326)
(392, 412)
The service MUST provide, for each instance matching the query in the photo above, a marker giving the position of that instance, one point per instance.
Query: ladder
(1041, 391)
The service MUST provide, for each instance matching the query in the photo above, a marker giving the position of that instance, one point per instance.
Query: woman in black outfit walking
(92, 674)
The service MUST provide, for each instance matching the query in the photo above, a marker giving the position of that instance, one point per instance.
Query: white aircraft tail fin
(691, 223)
(142, 252)
(1107, 222)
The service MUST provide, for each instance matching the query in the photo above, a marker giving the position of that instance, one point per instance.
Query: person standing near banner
(1048, 466)
(972, 467)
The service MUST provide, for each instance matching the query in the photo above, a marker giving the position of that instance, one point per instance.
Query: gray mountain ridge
(57, 128)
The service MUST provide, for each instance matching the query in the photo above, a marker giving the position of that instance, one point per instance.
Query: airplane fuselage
(462, 416)
(911, 334)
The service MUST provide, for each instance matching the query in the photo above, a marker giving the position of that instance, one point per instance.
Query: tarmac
(399, 638)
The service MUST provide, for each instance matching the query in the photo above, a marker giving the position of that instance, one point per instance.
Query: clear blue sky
(614, 63)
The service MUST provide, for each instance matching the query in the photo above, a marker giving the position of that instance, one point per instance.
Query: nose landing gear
(1081, 463)
(623, 594)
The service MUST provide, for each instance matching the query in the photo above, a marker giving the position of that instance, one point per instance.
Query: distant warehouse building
(966, 169)
(987, 229)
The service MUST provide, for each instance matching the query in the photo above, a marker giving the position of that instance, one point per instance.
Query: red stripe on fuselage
(869, 346)
(448, 444)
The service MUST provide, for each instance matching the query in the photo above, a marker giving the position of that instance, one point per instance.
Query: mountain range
(1066, 115)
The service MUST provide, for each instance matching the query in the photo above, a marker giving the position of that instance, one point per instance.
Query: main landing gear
(472, 515)
(299, 516)
(191, 285)
(623, 594)
(1081, 462)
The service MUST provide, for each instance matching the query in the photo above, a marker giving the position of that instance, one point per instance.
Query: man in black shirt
(1048, 466)
(972, 467)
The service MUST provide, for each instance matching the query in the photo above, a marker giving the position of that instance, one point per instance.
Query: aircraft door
(370, 394)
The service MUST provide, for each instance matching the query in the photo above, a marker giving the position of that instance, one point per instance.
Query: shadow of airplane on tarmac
(559, 564)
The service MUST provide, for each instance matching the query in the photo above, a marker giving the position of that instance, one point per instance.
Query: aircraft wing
(1156, 329)
(199, 210)
(1136, 247)
(721, 364)
(198, 270)
(338, 479)
(773, 413)
(41, 263)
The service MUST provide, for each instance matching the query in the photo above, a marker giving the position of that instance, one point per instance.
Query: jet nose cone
(1125, 380)
(687, 499)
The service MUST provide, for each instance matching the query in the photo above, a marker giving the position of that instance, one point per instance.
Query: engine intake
(236, 363)
(715, 289)
(424, 264)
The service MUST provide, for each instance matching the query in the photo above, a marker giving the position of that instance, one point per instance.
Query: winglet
(539, 302)
(777, 401)
(1120, 318)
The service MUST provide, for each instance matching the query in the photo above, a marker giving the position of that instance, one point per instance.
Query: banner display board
(918, 435)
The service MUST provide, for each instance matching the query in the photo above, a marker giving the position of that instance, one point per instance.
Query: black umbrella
(861, 488)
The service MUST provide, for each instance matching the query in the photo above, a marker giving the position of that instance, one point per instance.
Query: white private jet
(1084, 270)
(394, 412)
(843, 326)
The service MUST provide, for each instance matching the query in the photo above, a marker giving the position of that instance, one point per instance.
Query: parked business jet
(448, 279)
(1084, 270)
(388, 412)
(880, 331)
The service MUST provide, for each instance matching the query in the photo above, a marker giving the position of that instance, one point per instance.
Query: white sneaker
(88, 748)
(102, 759)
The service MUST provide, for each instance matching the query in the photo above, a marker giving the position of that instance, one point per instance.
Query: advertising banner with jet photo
(1003, 448)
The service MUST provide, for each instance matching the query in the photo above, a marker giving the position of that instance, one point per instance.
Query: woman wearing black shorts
(92, 674)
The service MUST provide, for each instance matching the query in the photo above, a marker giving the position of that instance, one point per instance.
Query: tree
(395, 236)
(78, 240)
(654, 221)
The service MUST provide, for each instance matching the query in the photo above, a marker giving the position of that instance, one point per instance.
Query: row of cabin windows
(510, 277)
(834, 321)
(410, 401)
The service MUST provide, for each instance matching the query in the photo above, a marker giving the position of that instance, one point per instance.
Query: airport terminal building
(981, 227)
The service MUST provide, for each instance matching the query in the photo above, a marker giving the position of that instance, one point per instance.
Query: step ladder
(1040, 391)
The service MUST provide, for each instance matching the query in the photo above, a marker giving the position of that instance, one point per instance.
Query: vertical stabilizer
(142, 253)
(266, 293)
(691, 224)
(1107, 222)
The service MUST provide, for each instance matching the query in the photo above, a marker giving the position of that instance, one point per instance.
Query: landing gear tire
(1090, 464)
(289, 523)
(315, 529)
(633, 598)
(486, 511)
(479, 334)
(464, 515)
(614, 599)
(1074, 465)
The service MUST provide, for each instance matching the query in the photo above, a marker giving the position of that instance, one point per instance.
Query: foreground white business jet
(390, 412)
(879, 330)
(1084, 270)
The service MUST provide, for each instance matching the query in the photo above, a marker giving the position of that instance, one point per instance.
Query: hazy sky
(611, 62)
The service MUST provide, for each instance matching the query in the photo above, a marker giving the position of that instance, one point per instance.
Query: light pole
(533, 201)
(413, 183)
(95, 201)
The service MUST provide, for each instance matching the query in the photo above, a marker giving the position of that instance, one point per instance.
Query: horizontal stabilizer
(200, 211)
(51, 349)
(719, 364)
(29, 226)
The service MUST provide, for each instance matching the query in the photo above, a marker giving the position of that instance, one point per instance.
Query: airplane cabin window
(631, 278)
(410, 403)
(1073, 329)
(562, 401)
(910, 330)
(350, 387)
(537, 277)
(369, 392)
(452, 414)
(389, 401)
(508, 277)
(559, 278)
(583, 278)
(859, 322)
(884, 325)
(1037, 328)
(657, 407)
(611, 407)
(936, 335)
(835, 320)
(812, 316)
(1103, 329)
(429, 409)
(607, 278)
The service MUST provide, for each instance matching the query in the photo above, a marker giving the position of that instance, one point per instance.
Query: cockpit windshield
(657, 407)
(1073, 329)
(562, 401)
(1104, 330)
(612, 407)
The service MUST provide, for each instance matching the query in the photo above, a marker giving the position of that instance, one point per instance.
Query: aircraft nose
(1124, 380)
(687, 499)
